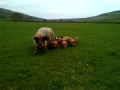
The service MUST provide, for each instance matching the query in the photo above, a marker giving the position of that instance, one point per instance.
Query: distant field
(92, 64)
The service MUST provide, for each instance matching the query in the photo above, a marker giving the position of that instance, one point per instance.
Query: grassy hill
(105, 17)
(8, 15)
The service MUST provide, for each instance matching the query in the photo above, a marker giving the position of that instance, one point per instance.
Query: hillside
(8, 15)
(105, 17)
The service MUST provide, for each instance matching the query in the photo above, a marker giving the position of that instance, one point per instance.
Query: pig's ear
(36, 39)
(45, 38)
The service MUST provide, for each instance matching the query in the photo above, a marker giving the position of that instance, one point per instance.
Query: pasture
(92, 64)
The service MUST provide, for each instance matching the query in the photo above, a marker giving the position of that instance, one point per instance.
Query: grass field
(92, 64)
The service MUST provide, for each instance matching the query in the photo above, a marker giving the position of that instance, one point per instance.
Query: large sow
(42, 38)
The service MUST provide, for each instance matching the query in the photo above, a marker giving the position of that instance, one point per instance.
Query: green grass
(92, 64)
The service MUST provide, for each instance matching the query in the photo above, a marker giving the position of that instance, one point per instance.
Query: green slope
(106, 17)
(8, 15)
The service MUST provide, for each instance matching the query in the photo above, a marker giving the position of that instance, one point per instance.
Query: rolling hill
(8, 15)
(105, 17)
